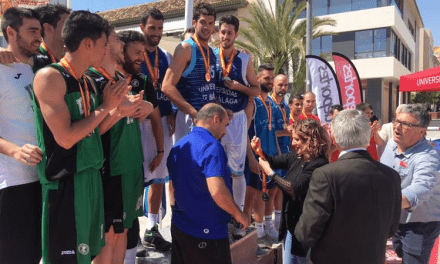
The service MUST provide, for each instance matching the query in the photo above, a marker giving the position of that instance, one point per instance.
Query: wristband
(160, 151)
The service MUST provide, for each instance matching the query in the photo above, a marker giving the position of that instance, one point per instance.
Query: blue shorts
(254, 180)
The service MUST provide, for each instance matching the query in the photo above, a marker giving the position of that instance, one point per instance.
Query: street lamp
(309, 40)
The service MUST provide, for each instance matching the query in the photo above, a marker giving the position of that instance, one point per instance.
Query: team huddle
(98, 111)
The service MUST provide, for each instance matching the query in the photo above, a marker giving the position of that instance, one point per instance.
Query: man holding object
(201, 198)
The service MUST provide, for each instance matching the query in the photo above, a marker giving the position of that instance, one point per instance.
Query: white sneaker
(272, 233)
(238, 233)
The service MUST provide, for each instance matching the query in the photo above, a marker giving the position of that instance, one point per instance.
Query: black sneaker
(152, 238)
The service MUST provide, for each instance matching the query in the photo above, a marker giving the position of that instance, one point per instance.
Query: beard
(151, 42)
(130, 67)
(281, 93)
(265, 88)
(24, 47)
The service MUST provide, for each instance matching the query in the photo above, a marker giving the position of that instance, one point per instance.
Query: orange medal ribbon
(154, 72)
(205, 59)
(45, 48)
(292, 118)
(283, 111)
(226, 70)
(268, 110)
(85, 95)
(105, 73)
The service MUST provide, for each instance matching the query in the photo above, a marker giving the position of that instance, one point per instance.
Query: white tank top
(16, 121)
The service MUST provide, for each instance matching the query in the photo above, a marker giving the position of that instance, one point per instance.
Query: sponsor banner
(324, 86)
(423, 81)
(349, 81)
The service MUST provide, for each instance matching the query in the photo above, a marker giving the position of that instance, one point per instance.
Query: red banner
(349, 81)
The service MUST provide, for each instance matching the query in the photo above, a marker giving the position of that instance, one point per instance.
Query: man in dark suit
(353, 205)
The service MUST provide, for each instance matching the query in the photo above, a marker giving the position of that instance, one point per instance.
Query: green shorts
(73, 218)
(123, 199)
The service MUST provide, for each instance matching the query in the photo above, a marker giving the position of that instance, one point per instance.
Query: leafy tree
(275, 36)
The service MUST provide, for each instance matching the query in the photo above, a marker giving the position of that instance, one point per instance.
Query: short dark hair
(266, 67)
(154, 13)
(51, 14)
(83, 24)
(204, 9)
(295, 96)
(336, 107)
(13, 17)
(230, 20)
(364, 106)
(128, 36)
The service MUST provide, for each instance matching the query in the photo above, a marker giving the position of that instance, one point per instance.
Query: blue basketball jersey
(230, 99)
(261, 126)
(164, 62)
(193, 85)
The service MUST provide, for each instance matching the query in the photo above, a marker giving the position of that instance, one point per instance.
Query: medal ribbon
(205, 59)
(226, 70)
(105, 73)
(292, 118)
(268, 110)
(283, 111)
(154, 73)
(45, 48)
(85, 95)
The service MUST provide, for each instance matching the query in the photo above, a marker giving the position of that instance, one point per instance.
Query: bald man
(281, 115)
(309, 105)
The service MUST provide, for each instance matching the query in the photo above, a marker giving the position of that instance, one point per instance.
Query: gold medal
(208, 77)
(283, 111)
(226, 69)
(156, 86)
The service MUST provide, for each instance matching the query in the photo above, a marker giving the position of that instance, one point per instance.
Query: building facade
(385, 39)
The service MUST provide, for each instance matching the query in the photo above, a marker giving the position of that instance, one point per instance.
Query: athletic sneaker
(272, 233)
(152, 238)
(238, 233)
(141, 252)
(265, 241)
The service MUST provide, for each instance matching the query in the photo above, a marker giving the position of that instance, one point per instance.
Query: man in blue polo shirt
(201, 197)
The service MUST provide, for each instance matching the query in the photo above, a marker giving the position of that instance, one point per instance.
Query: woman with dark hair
(310, 145)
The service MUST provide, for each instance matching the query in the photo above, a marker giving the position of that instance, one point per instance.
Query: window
(339, 6)
(364, 4)
(380, 43)
(320, 7)
(393, 40)
(322, 46)
(371, 43)
(363, 44)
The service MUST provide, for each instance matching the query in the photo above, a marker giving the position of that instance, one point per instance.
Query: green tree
(273, 36)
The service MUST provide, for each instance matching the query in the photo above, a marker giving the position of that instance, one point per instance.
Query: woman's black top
(294, 186)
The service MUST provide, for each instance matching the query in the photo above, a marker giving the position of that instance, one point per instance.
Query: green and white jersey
(86, 154)
(122, 143)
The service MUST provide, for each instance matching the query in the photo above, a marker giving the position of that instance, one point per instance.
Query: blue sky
(429, 9)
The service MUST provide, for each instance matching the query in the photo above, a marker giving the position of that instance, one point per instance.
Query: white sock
(152, 220)
(260, 229)
(239, 190)
(268, 222)
(277, 217)
(130, 256)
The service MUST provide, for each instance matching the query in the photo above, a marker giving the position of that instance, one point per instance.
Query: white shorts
(159, 175)
(235, 142)
(184, 125)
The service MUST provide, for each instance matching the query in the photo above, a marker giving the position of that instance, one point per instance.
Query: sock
(239, 190)
(277, 217)
(152, 220)
(130, 256)
(268, 222)
(260, 229)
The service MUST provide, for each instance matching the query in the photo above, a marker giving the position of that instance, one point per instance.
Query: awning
(423, 81)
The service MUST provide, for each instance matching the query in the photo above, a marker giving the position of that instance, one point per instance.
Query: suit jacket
(299, 174)
(351, 209)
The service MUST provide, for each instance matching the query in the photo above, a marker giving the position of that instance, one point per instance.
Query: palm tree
(276, 37)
